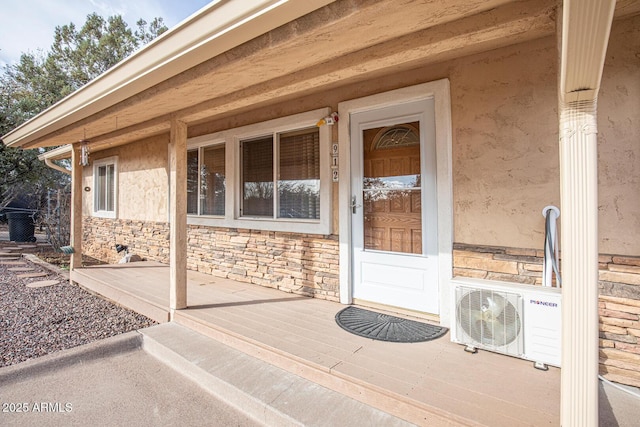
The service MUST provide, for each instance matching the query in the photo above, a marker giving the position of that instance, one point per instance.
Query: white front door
(394, 206)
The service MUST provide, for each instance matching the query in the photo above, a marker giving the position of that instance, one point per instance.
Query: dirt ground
(42, 312)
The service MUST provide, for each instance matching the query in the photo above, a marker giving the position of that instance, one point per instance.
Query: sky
(28, 25)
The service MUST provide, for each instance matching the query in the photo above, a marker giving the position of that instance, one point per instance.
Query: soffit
(345, 41)
(216, 28)
(626, 8)
(316, 49)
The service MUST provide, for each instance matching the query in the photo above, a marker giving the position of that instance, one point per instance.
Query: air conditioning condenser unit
(517, 320)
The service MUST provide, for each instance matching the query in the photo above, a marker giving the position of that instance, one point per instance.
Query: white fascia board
(215, 29)
(62, 152)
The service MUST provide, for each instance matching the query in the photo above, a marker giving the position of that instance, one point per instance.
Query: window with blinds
(299, 177)
(104, 173)
(289, 163)
(212, 181)
(206, 183)
(278, 176)
(257, 177)
(192, 182)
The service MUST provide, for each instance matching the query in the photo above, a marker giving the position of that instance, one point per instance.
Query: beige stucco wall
(505, 142)
(506, 149)
(505, 152)
(505, 145)
(619, 142)
(142, 180)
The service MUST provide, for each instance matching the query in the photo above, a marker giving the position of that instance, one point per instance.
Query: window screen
(299, 175)
(257, 177)
(101, 204)
(206, 181)
(212, 181)
(110, 194)
(105, 192)
(192, 182)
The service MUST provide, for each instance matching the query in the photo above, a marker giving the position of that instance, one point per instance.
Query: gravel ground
(38, 321)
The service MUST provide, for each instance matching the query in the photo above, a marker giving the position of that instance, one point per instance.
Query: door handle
(354, 204)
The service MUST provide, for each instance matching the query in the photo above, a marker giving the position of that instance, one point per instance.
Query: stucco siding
(505, 143)
(142, 180)
(505, 150)
(505, 127)
(619, 142)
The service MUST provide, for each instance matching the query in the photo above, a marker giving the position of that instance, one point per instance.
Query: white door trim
(439, 90)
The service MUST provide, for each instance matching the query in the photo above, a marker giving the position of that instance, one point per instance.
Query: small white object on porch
(586, 25)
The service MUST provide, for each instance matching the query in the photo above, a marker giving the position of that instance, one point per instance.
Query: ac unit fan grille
(490, 319)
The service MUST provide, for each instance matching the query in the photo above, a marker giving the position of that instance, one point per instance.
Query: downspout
(57, 167)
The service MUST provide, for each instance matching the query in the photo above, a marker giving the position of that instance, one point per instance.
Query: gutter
(52, 165)
(59, 153)
(215, 29)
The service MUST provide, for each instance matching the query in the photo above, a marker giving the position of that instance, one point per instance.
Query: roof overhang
(231, 58)
(60, 153)
(217, 28)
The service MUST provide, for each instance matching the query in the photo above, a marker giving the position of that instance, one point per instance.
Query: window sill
(264, 224)
(104, 214)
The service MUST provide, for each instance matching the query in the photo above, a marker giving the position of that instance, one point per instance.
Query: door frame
(439, 91)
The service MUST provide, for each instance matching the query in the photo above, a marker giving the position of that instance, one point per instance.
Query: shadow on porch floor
(433, 380)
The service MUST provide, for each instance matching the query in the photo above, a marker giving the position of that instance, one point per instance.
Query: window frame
(232, 139)
(199, 147)
(105, 162)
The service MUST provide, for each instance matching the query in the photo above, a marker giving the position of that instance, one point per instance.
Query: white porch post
(579, 200)
(178, 215)
(76, 208)
(585, 33)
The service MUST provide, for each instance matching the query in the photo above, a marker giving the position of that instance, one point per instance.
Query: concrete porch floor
(431, 383)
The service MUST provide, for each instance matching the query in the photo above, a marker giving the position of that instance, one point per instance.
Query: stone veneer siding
(298, 263)
(619, 301)
(150, 240)
(309, 265)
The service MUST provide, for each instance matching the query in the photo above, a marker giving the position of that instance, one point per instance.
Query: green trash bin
(21, 226)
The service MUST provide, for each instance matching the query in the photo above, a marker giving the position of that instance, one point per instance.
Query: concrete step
(398, 405)
(268, 394)
(10, 255)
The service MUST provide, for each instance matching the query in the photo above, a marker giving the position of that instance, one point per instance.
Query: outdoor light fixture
(84, 153)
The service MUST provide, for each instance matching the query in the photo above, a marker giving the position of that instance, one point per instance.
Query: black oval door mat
(384, 327)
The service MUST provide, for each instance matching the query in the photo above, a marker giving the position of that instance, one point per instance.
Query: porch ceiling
(343, 41)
